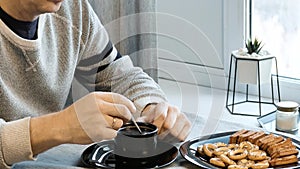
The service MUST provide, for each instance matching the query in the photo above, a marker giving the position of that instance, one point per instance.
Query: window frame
(237, 18)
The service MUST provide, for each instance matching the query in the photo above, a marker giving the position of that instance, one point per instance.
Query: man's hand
(93, 118)
(173, 125)
(100, 114)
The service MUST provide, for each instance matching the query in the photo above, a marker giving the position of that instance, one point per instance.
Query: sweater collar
(26, 30)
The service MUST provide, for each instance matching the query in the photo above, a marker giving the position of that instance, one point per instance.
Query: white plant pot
(247, 68)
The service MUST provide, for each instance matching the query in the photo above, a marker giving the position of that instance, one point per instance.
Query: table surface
(68, 156)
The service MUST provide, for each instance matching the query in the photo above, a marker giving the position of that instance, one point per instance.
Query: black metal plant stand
(260, 102)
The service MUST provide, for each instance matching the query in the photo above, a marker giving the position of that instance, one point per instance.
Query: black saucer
(101, 155)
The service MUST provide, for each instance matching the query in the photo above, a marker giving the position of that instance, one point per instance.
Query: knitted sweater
(36, 75)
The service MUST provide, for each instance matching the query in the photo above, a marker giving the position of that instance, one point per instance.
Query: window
(277, 24)
(236, 29)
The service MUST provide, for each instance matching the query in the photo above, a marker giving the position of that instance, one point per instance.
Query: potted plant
(249, 58)
(253, 46)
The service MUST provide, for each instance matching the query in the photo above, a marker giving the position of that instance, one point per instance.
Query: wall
(190, 41)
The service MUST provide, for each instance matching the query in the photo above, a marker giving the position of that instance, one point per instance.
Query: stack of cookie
(280, 150)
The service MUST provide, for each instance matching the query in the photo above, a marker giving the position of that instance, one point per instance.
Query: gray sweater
(37, 75)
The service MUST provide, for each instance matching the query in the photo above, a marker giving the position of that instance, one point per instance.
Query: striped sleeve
(102, 68)
(98, 62)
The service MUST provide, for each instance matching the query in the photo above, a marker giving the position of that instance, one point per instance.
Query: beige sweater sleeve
(15, 142)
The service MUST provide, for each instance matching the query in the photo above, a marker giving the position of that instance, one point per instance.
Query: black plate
(101, 155)
(188, 149)
(268, 122)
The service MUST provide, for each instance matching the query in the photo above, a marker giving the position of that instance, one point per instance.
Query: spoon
(136, 125)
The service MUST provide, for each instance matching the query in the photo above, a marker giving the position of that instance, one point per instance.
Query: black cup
(133, 149)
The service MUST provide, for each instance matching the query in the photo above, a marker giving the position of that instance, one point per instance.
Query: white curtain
(131, 25)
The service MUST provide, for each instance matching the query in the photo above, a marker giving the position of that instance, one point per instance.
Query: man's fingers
(153, 113)
(114, 122)
(182, 127)
(160, 115)
(161, 110)
(176, 129)
(171, 118)
(184, 132)
(168, 136)
(116, 98)
(159, 124)
(115, 110)
(172, 124)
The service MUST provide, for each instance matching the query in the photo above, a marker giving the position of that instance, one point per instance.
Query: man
(45, 45)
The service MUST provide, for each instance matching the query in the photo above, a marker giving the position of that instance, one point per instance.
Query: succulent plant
(253, 46)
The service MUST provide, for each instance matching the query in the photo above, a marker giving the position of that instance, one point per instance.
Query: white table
(68, 156)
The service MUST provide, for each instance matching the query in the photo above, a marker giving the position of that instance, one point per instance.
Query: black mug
(134, 149)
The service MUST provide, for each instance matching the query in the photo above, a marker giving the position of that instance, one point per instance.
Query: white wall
(190, 41)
